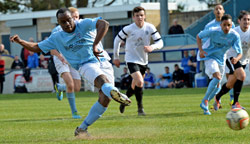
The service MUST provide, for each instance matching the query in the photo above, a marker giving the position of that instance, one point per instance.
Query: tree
(82, 3)
(38, 5)
(12, 6)
(180, 8)
(67, 3)
(212, 3)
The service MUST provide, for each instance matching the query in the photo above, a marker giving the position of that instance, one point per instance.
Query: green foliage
(13, 6)
(173, 116)
(211, 3)
(180, 8)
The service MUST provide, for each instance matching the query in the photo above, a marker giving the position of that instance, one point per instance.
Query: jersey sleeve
(158, 43)
(57, 29)
(204, 34)
(89, 23)
(121, 36)
(48, 44)
(237, 45)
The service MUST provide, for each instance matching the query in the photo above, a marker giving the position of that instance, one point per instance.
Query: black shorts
(133, 67)
(233, 67)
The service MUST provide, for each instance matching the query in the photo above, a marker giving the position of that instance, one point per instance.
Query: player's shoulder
(215, 29)
(234, 32)
(210, 24)
(149, 25)
(129, 27)
(57, 29)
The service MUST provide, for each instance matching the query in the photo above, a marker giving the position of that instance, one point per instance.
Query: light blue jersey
(213, 23)
(220, 43)
(100, 46)
(77, 47)
(57, 29)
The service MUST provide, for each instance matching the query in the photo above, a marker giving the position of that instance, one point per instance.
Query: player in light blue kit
(79, 46)
(218, 13)
(221, 39)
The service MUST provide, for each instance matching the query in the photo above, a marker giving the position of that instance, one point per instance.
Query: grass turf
(173, 116)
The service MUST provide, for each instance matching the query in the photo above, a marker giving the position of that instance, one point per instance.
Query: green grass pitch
(173, 116)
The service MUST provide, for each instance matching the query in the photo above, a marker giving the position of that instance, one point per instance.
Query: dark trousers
(1, 87)
(55, 79)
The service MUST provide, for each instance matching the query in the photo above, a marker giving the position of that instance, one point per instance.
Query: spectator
(53, 72)
(126, 79)
(186, 67)
(149, 79)
(17, 64)
(25, 53)
(178, 80)
(192, 62)
(43, 63)
(2, 68)
(33, 60)
(165, 80)
(3, 51)
(175, 28)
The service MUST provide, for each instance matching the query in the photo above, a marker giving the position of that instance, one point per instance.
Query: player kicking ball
(77, 44)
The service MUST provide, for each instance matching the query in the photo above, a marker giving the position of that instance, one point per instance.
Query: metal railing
(232, 7)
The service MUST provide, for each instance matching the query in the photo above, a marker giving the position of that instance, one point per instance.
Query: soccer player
(77, 44)
(235, 72)
(221, 39)
(218, 13)
(137, 35)
(70, 76)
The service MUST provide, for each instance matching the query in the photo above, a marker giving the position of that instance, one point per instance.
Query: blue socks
(106, 89)
(231, 94)
(94, 114)
(214, 92)
(211, 89)
(61, 87)
(71, 99)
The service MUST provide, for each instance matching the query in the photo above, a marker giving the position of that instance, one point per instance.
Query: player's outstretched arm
(199, 43)
(31, 46)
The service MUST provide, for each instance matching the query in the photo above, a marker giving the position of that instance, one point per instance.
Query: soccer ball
(237, 119)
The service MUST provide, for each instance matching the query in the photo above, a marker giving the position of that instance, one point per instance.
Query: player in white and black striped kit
(235, 73)
(137, 36)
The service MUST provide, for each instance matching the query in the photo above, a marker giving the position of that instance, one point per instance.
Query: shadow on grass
(24, 96)
(153, 116)
(34, 120)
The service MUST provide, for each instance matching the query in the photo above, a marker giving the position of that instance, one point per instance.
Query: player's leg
(137, 71)
(231, 96)
(76, 79)
(60, 68)
(94, 114)
(93, 73)
(70, 93)
(138, 78)
(229, 70)
(225, 89)
(240, 75)
(213, 71)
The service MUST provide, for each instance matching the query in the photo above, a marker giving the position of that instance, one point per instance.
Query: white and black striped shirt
(136, 39)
